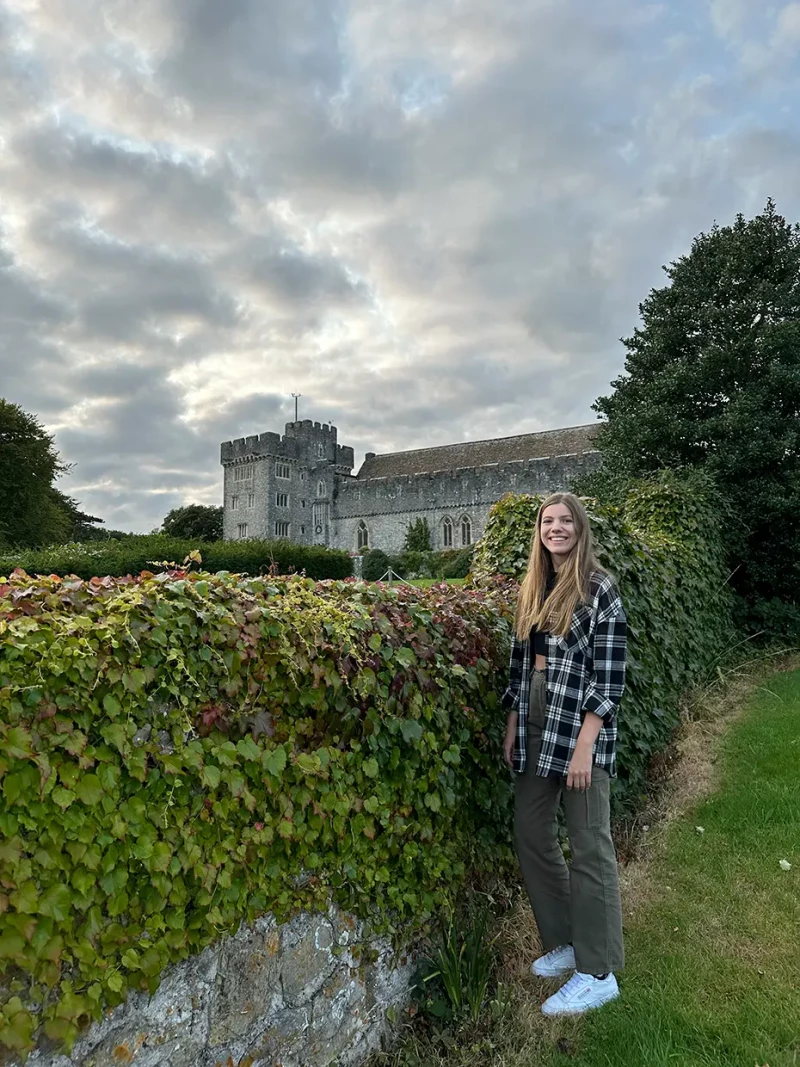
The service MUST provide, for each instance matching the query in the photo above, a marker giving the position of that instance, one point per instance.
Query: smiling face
(557, 532)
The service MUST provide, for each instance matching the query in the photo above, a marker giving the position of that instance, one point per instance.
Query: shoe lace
(572, 985)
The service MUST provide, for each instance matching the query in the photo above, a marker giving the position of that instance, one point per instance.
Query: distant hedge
(183, 752)
(135, 554)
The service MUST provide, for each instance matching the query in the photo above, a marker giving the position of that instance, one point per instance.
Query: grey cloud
(433, 219)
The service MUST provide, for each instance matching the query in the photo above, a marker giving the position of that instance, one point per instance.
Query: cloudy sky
(432, 218)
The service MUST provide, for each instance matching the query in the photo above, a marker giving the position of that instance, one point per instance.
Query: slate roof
(569, 441)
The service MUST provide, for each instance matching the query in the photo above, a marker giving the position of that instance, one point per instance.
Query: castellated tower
(284, 487)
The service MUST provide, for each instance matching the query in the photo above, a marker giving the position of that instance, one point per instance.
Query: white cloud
(434, 218)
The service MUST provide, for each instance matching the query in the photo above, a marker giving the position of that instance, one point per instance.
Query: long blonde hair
(572, 581)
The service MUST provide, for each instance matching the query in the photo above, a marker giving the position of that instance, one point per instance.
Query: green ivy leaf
(89, 789)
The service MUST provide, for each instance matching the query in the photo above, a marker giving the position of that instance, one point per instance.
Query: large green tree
(201, 521)
(32, 511)
(712, 380)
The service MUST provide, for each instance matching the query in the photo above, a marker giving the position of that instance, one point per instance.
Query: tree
(712, 381)
(33, 511)
(199, 521)
(418, 537)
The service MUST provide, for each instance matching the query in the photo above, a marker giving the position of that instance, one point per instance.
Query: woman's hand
(579, 774)
(510, 739)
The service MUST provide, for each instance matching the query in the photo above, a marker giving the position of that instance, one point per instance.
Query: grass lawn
(713, 975)
(713, 947)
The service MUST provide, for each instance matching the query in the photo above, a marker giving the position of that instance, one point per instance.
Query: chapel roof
(570, 441)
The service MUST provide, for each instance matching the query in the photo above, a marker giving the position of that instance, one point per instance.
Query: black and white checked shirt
(585, 672)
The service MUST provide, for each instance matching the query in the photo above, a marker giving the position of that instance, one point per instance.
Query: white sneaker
(555, 963)
(581, 993)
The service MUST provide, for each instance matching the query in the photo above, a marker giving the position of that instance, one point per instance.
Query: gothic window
(283, 470)
(251, 500)
(243, 473)
(466, 531)
(242, 530)
(281, 529)
(447, 533)
(282, 500)
(321, 450)
(234, 503)
(363, 536)
(320, 488)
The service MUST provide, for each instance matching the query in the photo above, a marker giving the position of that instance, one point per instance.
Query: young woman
(566, 680)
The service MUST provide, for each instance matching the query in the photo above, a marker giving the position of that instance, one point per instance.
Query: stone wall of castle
(277, 487)
(386, 506)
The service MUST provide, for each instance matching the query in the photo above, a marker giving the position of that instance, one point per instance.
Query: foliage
(450, 563)
(375, 565)
(418, 537)
(460, 969)
(34, 512)
(712, 381)
(194, 521)
(136, 553)
(664, 547)
(183, 752)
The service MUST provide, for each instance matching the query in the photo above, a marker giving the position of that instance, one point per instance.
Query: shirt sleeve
(607, 680)
(511, 696)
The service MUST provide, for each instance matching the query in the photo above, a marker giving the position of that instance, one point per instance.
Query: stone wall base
(295, 995)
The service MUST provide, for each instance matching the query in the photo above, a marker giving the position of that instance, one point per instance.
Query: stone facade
(301, 485)
(295, 994)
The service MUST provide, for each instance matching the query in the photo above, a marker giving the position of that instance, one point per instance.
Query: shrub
(665, 550)
(375, 565)
(137, 553)
(184, 752)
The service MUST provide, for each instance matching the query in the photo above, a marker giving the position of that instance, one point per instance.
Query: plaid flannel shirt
(585, 672)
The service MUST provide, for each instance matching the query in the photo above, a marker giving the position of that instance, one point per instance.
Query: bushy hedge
(663, 546)
(135, 554)
(450, 563)
(183, 752)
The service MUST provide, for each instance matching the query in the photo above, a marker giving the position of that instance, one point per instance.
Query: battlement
(296, 443)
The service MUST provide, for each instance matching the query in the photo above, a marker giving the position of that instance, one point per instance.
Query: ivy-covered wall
(182, 753)
(663, 546)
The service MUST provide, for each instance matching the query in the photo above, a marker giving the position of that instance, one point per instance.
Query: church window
(363, 536)
(466, 531)
(282, 500)
(242, 530)
(320, 489)
(234, 503)
(251, 500)
(447, 533)
(283, 470)
(281, 529)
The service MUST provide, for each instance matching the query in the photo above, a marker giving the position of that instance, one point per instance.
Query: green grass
(426, 583)
(713, 954)
(713, 974)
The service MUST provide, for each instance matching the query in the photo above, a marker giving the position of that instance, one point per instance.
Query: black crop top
(538, 638)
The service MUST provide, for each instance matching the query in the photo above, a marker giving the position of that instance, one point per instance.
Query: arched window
(466, 530)
(447, 533)
(320, 488)
(363, 536)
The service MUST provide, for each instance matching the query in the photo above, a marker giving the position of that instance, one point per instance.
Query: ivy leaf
(370, 767)
(18, 743)
(274, 762)
(111, 705)
(89, 789)
(55, 903)
(210, 776)
(411, 730)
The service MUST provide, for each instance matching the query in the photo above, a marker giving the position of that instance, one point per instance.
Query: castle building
(301, 486)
